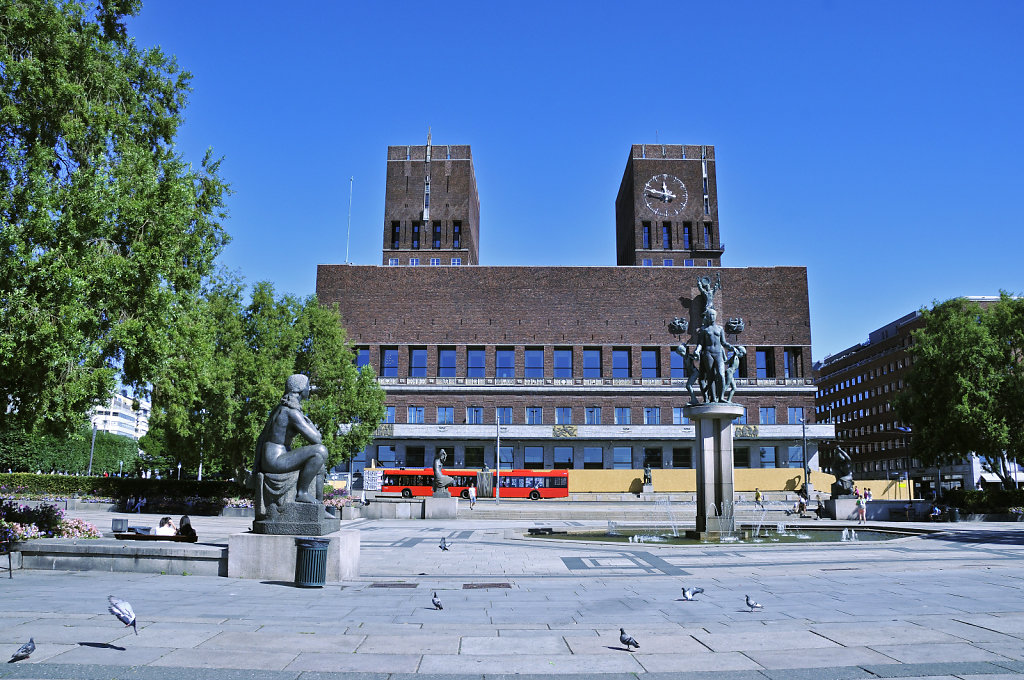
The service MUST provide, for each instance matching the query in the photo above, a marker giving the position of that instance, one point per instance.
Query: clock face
(665, 195)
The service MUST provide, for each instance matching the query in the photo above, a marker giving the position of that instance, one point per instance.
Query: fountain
(671, 516)
(846, 535)
(760, 523)
(780, 528)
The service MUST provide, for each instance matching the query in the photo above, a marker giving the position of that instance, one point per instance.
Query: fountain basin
(661, 535)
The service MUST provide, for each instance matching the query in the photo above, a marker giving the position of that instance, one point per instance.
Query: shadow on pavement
(997, 537)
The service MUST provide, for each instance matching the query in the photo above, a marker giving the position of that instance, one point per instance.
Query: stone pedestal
(714, 465)
(298, 519)
(272, 557)
(440, 508)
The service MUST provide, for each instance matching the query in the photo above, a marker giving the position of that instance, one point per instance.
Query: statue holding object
(441, 480)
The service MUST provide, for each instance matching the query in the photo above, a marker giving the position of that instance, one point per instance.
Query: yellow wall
(766, 479)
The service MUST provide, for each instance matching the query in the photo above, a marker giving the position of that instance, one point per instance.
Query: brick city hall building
(572, 367)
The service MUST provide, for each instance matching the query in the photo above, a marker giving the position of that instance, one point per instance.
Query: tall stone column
(714, 465)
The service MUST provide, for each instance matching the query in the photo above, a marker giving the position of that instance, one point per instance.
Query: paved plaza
(947, 605)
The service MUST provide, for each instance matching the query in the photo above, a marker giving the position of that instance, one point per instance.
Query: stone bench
(133, 536)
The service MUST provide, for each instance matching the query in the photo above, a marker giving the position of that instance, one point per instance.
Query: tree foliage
(27, 452)
(105, 229)
(964, 392)
(216, 392)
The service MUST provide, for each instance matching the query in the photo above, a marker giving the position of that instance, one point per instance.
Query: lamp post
(92, 447)
(808, 487)
(497, 459)
(120, 468)
(179, 469)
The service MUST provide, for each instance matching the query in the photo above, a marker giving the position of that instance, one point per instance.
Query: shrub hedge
(984, 501)
(66, 486)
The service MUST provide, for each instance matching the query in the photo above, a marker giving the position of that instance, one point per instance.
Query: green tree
(215, 395)
(964, 391)
(104, 227)
(29, 452)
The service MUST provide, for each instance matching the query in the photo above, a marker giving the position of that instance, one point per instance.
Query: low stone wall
(269, 557)
(62, 554)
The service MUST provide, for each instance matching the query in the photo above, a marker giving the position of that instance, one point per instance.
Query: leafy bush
(985, 501)
(205, 496)
(23, 523)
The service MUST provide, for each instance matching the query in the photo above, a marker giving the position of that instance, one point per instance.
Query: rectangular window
(591, 363)
(505, 456)
(677, 365)
(707, 206)
(474, 459)
(741, 457)
(682, 458)
(622, 458)
(533, 457)
(649, 363)
(622, 415)
(416, 415)
(707, 235)
(652, 415)
(593, 458)
(646, 262)
(456, 235)
(563, 415)
(437, 235)
(765, 363)
(687, 263)
(793, 362)
(646, 235)
(445, 415)
(389, 415)
(362, 357)
(563, 363)
(503, 415)
(678, 417)
(687, 229)
(534, 367)
(668, 262)
(505, 363)
(386, 455)
(534, 415)
(417, 362)
(796, 457)
(388, 362)
(416, 235)
(766, 415)
(392, 261)
(563, 457)
(796, 415)
(653, 457)
(414, 261)
(474, 415)
(620, 363)
(456, 261)
(396, 235)
(476, 363)
(446, 362)
(593, 415)
(666, 235)
(435, 262)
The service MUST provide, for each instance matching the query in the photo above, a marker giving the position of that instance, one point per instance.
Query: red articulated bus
(533, 484)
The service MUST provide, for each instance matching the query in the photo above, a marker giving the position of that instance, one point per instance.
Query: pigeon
(123, 611)
(24, 651)
(437, 602)
(753, 605)
(688, 593)
(444, 544)
(627, 639)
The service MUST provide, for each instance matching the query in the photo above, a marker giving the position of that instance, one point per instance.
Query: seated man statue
(277, 461)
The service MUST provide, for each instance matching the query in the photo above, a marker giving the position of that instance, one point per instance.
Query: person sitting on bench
(166, 528)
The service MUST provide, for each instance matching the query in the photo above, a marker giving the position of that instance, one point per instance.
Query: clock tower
(666, 213)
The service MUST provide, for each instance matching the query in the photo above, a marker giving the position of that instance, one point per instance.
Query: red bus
(533, 484)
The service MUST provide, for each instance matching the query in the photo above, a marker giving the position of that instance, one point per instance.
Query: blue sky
(878, 144)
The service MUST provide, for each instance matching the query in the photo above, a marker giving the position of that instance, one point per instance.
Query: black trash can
(954, 514)
(311, 562)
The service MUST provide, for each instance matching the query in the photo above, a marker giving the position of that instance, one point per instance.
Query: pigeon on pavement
(123, 611)
(753, 605)
(444, 544)
(627, 639)
(24, 651)
(688, 593)
(436, 602)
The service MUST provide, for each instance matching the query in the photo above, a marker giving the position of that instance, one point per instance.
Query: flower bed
(22, 523)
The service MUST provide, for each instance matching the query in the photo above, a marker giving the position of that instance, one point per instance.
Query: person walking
(472, 495)
(757, 498)
(861, 511)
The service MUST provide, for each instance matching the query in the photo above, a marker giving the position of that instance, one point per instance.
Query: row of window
(665, 236)
(534, 415)
(593, 457)
(438, 233)
(434, 261)
(669, 262)
(563, 366)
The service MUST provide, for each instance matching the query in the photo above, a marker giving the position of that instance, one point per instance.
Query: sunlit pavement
(939, 606)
